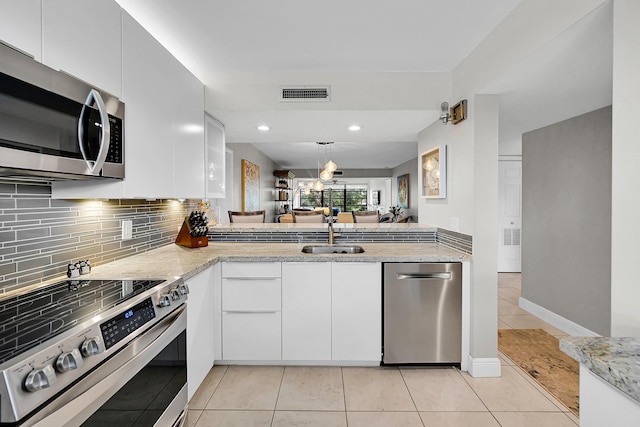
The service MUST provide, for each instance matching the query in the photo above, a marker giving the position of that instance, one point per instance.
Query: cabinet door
(84, 39)
(146, 84)
(21, 26)
(251, 336)
(251, 316)
(188, 134)
(306, 311)
(214, 158)
(200, 329)
(356, 301)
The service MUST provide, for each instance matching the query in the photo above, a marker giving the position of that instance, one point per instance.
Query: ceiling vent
(305, 94)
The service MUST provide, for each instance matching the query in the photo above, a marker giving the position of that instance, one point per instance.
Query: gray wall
(267, 180)
(566, 221)
(411, 168)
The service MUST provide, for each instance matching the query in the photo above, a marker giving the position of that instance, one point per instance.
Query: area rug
(538, 354)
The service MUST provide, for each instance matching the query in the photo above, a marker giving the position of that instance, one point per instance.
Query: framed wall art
(433, 173)
(250, 186)
(403, 191)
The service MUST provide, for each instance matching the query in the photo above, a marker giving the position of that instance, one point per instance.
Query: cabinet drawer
(251, 294)
(251, 269)
(251, 336)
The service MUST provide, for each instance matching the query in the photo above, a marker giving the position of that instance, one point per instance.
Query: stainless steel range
(78, 352)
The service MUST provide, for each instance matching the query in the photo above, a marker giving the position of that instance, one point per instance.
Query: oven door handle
(83, 399)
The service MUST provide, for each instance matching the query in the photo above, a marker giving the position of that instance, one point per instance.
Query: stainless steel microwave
(54, 126)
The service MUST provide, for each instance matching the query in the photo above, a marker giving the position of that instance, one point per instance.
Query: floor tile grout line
(344, 396)
(474, 391)
(275, 405)
(226, 369)
(410, 395)
(555, 401)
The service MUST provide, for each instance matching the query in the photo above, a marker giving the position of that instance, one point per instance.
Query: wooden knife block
(184, 237)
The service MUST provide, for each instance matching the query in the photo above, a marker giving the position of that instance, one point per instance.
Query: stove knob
(40, 378)
(69, 361)
(175, 294)
(184, 289)
(91, 346)
(164, 301)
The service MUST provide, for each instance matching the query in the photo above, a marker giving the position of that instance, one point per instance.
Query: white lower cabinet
(200, 321)
(306, 311)
(356, 301)
(251, 311)
(251, 335)
(300, 311)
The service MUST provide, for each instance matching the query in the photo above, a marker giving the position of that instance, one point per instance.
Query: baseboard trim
(565, 325)
(484, 367)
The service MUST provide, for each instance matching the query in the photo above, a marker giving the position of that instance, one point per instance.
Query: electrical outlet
(127, 229)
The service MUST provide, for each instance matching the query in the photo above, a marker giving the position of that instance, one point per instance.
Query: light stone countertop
(368, 227)
(615, 360)
(174, 261)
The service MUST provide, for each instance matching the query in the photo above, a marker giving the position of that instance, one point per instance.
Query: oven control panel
(119, 327)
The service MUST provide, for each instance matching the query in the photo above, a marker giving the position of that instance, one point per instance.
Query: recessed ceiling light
(354, 128)
(263, 128)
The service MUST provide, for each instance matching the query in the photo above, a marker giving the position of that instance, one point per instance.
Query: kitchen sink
(332, 249)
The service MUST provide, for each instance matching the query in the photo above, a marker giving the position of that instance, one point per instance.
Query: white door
(509, 215)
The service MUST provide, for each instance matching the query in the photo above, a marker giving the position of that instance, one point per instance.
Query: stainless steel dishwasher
(422, 313)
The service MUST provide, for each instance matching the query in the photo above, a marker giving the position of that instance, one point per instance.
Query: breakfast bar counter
(172, 260)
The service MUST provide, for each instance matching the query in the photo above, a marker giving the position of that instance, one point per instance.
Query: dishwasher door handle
(421, 276)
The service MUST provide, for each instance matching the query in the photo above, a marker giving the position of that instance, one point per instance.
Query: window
(346, 197)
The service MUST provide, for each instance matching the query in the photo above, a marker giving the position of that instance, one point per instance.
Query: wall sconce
(444, 113)
(455, 115)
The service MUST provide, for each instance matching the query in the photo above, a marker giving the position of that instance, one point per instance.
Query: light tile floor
(249, 396)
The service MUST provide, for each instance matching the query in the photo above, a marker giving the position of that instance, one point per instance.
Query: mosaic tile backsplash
(39, 235)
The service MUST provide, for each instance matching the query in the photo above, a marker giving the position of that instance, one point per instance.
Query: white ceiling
(386, 62)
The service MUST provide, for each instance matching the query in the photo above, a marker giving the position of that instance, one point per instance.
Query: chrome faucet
(332, 235)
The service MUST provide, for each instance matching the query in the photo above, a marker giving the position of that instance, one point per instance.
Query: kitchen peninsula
(270, 303)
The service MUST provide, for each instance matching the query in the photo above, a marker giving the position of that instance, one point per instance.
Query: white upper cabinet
(84, 38)
(163, 128)
(214, 159)
(164, 120)
(188, 135)
(147, 89)
(21, 26)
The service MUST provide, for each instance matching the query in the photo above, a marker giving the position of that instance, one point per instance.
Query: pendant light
(318, 186)
(326, 175)
(330, 166)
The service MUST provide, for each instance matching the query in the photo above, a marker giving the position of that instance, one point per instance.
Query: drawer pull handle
(251, 311)
(251, 278)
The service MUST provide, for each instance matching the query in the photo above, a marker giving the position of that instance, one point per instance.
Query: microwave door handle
(96, 166)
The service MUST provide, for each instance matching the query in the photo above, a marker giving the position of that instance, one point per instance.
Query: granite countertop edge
(293, 227)
(614, 359)
(173, 261)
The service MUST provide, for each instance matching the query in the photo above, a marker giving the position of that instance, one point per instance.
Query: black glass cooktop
(32, 318)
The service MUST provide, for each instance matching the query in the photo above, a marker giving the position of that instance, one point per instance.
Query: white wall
(459, 201)
(471, 174)
(484, 291)
(625, 201)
